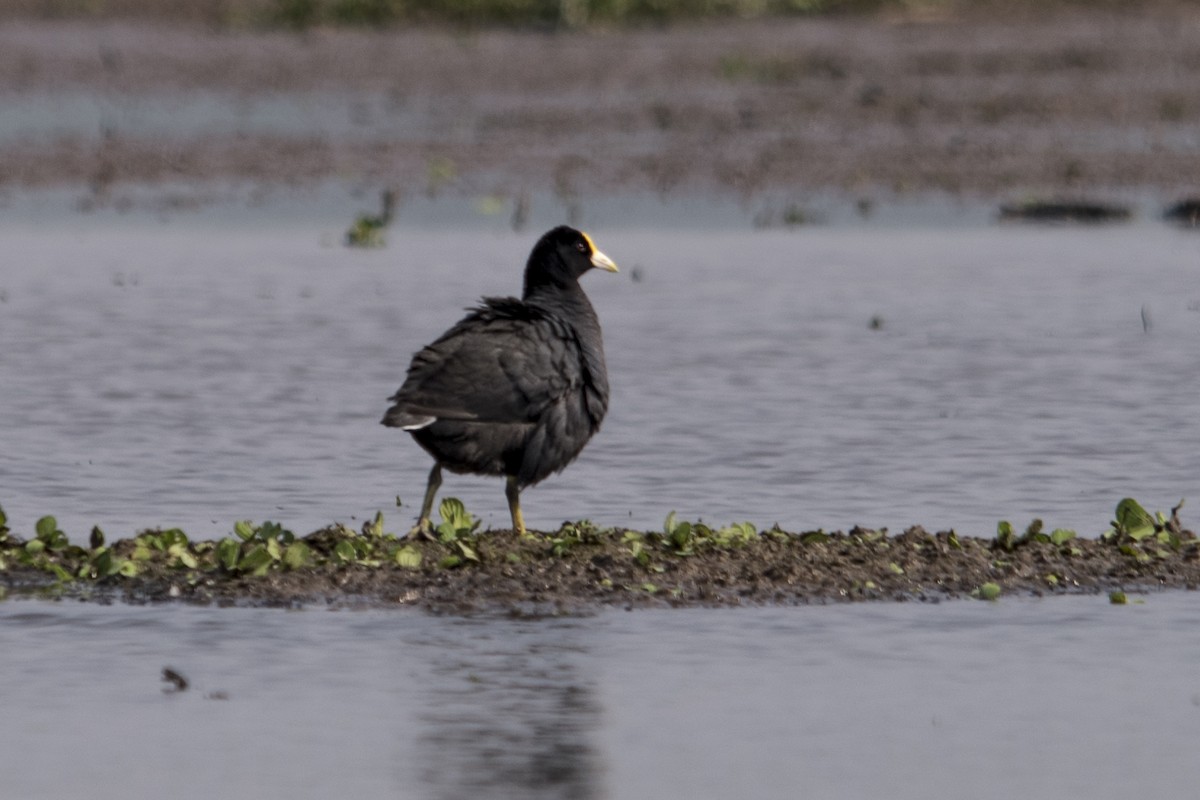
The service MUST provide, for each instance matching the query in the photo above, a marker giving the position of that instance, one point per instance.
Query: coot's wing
(503, 363)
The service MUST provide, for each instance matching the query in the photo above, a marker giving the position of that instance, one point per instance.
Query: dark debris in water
(581, 567)
(1065, 211)
(175, 681)
(1185, 212)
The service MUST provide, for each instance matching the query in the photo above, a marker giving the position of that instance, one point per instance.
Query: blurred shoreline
(1068, 102)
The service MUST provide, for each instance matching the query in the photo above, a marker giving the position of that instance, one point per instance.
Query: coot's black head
(560, 257)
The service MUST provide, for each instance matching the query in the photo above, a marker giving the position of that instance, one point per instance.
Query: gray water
(1063, 697)
(194, 372)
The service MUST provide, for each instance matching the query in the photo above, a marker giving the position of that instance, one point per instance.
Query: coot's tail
(403, 417)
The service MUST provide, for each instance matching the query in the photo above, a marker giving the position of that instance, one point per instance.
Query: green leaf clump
(988, 591)
(1145, 537)
(1007, 540)
(687, 538)
(457, 530)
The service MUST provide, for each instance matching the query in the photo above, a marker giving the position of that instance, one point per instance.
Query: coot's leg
(513, 492)
(424, 526)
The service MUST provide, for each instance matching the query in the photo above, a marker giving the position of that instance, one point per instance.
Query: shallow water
(191, 373)
(1066, 697)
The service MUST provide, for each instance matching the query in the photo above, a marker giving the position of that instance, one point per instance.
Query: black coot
(517, 387)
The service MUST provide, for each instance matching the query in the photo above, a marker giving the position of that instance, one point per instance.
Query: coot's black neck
(570, 300)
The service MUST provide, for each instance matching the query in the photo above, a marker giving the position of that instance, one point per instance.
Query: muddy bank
(1065, 102)
(580, 567)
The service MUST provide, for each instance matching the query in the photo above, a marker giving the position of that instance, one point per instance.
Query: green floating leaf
(989, 591)
(1134, 520)
(297, 555)
(745, 530)
(453, 511)
(3, 518)
(344, 551)
(46, 527)
(59, 572)
(1005, 537)
(681, 536)
(257, 562)
(1061, 536)
(229, 551)
(1117, 597)
(273, 531)
(409, 557)
(244, 530)
(173, 537)
(467, 552)
(456, 522)
(102, 564)
(181, 556)
(814, 537)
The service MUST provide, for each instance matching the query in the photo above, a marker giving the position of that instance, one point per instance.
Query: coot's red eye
(581, 247)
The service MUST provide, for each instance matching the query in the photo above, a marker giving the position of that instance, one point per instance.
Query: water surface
(187, 374)
(191, 374)
(1067, 697)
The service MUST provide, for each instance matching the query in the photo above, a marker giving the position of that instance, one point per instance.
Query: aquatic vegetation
(573, 534)
(1141, 536)
(440, 172)
(1008, 541)
(51, 552)
(686, 562)
(368, 229)
(685, 538)
(988, 591)
(456, 530)
(1134, 523)
(257, 550)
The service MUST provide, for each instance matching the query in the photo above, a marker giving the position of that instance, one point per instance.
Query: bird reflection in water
(513, 719)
